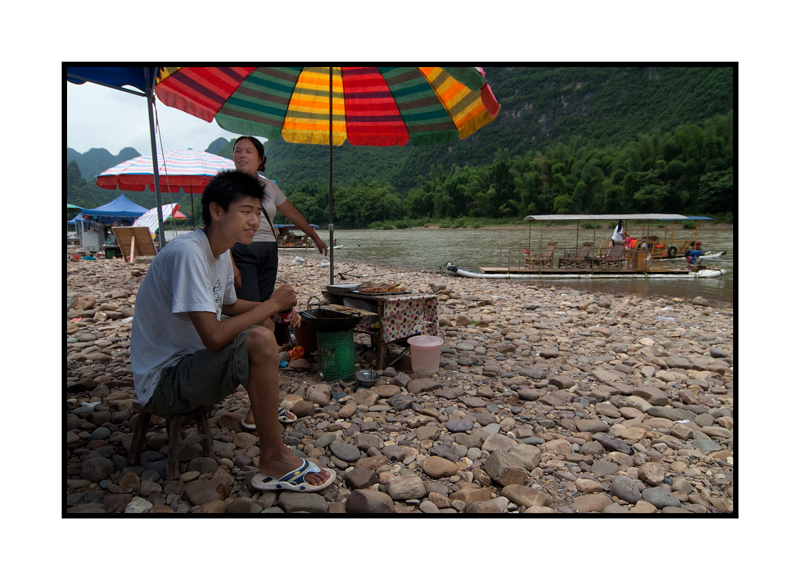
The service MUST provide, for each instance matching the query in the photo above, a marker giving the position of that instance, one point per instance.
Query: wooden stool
(175, 424)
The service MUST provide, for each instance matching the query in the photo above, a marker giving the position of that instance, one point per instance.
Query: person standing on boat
(619, 234)
(255, 266)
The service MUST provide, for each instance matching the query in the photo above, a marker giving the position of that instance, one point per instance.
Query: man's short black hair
(229, 186)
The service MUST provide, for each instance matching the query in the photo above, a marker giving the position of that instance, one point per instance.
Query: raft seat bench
(175, 425)
(546, 257)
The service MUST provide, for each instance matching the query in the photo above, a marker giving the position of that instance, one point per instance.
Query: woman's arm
(294, 216)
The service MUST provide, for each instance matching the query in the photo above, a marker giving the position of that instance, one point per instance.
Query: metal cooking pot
(324, 320)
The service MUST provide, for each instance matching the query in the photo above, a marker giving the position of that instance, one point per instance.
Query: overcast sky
(100, 117)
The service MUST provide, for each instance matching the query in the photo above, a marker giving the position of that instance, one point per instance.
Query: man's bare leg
(276, 459)
(248, 418)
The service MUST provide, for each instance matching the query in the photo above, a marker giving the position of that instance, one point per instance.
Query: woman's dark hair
(259, 147)
(619, 225)
(229, 186)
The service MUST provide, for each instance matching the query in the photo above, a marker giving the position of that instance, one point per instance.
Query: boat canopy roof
(608, 216)
(695, 218)
(292, 226)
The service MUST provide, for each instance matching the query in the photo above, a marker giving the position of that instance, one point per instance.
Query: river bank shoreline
(547, 400)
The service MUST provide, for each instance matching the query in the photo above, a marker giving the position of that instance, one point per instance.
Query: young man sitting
(184, 356)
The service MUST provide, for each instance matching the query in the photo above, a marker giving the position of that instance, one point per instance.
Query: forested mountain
(95, 161)
(567, 139)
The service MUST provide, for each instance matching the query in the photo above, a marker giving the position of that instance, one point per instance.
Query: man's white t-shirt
(273, 196)
(184, 277)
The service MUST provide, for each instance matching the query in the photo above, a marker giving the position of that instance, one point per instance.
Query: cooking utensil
(380, 293)
(324, 320)
(366, 378)
(341, 288)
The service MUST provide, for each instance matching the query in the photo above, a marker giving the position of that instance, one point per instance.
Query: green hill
(569, 116)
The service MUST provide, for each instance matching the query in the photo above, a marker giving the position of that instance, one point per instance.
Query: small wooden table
(400, 316)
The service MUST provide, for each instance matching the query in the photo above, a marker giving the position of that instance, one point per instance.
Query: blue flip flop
(284, 416)
(292, 481)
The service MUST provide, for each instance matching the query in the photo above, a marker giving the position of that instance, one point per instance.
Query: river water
(429, 249)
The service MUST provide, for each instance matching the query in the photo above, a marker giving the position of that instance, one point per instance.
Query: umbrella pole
(330, 167)
(156, 184)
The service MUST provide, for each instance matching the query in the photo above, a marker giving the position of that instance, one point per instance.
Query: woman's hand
(290, 212)
(321, 246)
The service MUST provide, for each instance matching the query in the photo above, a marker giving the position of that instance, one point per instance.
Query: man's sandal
(292, 481)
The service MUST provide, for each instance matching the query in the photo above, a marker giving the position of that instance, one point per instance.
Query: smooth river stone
(660, 497)
(473, 401)
(459, 425)
(345, 451)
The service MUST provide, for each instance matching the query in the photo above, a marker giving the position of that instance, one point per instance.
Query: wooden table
(400, 316)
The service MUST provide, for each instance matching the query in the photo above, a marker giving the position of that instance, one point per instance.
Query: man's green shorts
(203, 378)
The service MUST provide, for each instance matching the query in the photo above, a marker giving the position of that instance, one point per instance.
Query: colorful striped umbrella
(150, 218)
(381, 106)
(371, 105)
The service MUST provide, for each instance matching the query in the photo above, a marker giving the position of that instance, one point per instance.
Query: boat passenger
(692, 256)
(619, 234)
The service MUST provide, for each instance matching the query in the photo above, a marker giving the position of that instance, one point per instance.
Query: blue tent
(77, 219)
(120, 209)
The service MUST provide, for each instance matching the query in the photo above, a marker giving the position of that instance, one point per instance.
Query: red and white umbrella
(150, 218)
(178, 168)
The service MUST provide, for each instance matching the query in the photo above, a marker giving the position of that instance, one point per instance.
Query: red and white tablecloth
(406, 315)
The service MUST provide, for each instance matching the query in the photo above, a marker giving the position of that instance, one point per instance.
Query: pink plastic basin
(425, 351)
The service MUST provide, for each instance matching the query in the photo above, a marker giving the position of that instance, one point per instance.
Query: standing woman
(255, 266)
(619, 234)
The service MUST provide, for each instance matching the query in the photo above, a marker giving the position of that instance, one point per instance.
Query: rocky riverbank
(547, 400)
